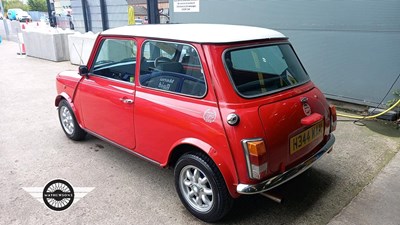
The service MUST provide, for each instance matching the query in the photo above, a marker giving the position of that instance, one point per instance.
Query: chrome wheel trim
(66, 120)
(196, 188)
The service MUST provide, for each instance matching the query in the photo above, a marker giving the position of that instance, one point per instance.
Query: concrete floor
(128, 190)
(377, 203)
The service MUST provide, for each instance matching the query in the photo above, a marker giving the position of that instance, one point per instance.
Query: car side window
(172, 67)
(116, 59)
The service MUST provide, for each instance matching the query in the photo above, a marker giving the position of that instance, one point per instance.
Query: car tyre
(201, 187)
(68, 122)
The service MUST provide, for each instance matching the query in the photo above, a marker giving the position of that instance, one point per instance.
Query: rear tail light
(333, 117)
(256, 157)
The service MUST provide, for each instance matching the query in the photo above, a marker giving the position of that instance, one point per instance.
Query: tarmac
(377, 203)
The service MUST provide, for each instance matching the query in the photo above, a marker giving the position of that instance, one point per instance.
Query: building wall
(60, 6)
(350, 48)
(117, 14)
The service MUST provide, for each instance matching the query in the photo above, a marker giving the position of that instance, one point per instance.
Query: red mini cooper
(230, 108)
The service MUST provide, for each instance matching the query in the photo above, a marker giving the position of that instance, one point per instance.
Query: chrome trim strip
(122, 147)
(288, 175)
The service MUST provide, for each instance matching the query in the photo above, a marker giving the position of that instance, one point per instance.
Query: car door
(174, 105)
(106, 96)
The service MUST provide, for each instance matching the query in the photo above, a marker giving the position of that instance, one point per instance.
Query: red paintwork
(158, 122)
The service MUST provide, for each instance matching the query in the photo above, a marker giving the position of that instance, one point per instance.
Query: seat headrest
(171, 67)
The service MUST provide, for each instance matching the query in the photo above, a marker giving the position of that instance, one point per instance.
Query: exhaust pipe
(274, 197)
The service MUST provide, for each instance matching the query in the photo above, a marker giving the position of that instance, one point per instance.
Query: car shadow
(299, 195)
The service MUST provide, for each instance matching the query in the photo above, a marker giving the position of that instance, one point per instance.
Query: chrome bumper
(288, 175)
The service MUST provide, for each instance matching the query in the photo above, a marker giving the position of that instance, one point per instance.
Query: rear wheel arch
(201, 186)
(227, 174)
(180, 150)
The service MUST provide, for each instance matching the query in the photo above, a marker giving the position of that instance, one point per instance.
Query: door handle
(311, 119)
(126, 100)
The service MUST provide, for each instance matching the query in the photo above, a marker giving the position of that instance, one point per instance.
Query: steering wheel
(161, 59)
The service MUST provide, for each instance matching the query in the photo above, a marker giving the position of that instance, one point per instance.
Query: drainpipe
(49, 9)
(152, 11)
(85, 15)
(104, 15)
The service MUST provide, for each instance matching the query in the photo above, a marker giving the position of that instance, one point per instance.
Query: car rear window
(261, 70)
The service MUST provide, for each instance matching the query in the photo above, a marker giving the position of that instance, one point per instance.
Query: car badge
(306, 109)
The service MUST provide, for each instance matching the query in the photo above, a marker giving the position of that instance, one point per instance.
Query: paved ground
(128, 190)
(378, 203)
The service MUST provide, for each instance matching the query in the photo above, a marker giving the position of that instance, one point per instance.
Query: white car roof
(199, 33)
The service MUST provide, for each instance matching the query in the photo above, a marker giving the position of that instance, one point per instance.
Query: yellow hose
(370, 117)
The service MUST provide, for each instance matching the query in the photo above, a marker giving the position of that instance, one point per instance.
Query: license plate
(306, 137)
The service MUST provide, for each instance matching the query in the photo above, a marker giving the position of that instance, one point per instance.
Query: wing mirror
(83, 70)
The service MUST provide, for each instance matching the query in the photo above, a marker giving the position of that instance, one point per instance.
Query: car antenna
(80, 55)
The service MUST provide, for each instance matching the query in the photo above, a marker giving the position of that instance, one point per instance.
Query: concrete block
(80, 47)
(47, 44)
(12, 28)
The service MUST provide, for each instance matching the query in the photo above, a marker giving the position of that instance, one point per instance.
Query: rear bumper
(288, 175)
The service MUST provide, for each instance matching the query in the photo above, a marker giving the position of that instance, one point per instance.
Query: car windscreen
(261, 70)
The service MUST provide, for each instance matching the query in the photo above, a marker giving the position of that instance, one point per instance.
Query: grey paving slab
(377, 203)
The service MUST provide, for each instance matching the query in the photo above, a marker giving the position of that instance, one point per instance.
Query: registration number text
(306, 137)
